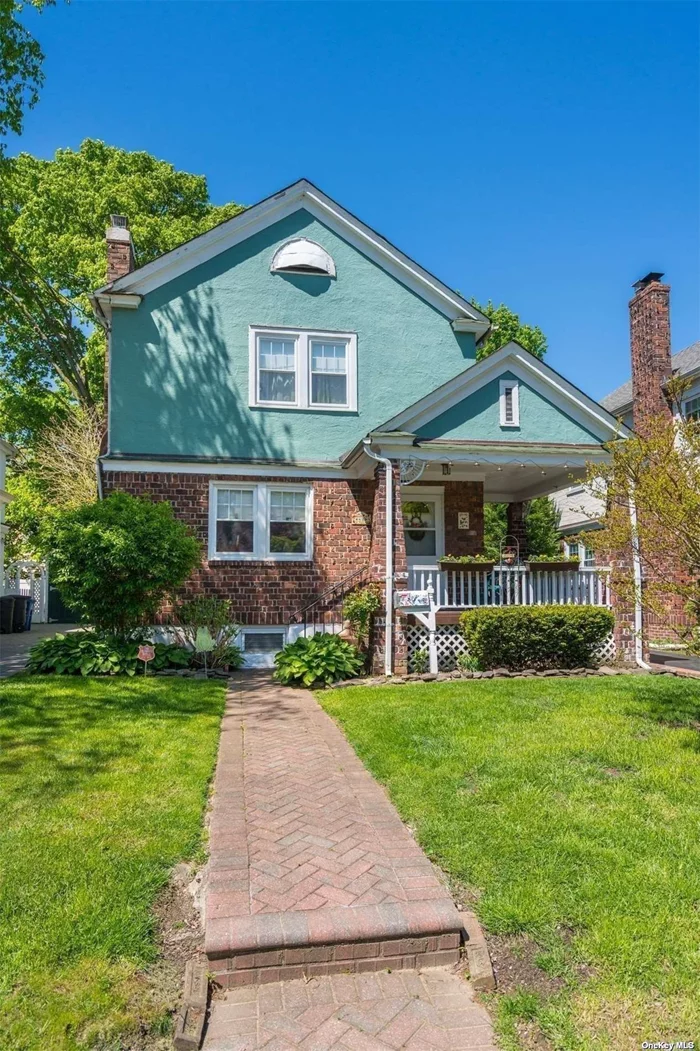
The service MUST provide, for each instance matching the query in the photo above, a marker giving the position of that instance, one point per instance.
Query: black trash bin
(7, 609)
(19, 614)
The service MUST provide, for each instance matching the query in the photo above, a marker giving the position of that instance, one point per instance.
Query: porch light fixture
(447, 468)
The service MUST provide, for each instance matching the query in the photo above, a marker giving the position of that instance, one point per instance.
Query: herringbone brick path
(429, 1011)
(311, 867)
(300, 820)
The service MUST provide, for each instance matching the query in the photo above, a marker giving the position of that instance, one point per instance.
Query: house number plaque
(463, 520)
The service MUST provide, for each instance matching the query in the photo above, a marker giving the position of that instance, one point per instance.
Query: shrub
(420, 662)
(465, 662)
(359, 607)
(539, 637)
(89, 653)
(216, 616)
(321, 658)
(116, 560)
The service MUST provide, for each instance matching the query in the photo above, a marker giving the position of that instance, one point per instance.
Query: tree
(117, 560)
(659, 471)
(21, 75)
(53, 254)
(506, 326)
(53, 216)
(541, 527)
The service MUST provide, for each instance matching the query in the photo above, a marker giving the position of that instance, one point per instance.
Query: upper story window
(303, 370)
(509, 404)
(260, 522)
(691, 408)
(302, 256)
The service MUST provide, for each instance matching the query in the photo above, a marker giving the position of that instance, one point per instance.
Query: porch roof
(509, 471)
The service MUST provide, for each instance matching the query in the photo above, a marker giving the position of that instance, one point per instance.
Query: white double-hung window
(260, 521)
(303, 369)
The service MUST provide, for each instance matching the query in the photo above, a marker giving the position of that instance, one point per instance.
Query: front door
(423, 523)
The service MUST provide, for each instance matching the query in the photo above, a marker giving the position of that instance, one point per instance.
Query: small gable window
(302, 256)
(509, 404)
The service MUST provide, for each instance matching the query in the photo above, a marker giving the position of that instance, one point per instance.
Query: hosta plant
(89, 653)
(318, 660)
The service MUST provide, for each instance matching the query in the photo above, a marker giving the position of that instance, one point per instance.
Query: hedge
(517, 637)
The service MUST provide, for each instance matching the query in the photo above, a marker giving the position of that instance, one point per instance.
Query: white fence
(512, 586)
(30, 578)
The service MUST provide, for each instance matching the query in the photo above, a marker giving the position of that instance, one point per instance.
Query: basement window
(509, 404)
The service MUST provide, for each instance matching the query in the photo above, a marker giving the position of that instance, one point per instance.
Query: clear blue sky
(540, 154)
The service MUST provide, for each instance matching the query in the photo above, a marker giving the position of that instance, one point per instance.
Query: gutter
(389, 555)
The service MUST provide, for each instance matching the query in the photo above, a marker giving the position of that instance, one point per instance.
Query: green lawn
(571, 808)
(103, 785)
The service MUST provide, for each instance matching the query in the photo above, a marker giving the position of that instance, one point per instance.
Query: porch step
(279, 946)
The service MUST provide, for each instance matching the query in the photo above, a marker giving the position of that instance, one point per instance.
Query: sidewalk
(14, 648)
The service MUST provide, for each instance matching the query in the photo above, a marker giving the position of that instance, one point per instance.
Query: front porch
(441, 490)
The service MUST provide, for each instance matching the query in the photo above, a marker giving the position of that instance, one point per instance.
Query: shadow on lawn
(43, 721)
(671, 703)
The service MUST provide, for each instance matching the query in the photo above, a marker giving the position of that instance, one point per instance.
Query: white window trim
(695, 396)
(302, 358)
(511, 385)
(261, 523)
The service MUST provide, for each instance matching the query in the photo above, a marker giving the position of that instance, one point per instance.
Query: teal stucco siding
(179, 363)
(477, 417)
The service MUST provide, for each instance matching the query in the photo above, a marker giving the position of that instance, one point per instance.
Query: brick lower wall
(267, 592)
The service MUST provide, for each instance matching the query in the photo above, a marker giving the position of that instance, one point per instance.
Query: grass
(571, 808)
(103, 785)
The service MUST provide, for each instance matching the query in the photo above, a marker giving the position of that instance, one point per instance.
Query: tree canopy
(21, 75)
(506, 326)
(53, 254)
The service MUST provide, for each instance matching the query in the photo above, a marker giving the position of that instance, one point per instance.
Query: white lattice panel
(450, 643)
(607, 652)
(448, 638)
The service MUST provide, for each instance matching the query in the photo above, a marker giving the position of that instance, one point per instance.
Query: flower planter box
(554, 567)
(478, 567)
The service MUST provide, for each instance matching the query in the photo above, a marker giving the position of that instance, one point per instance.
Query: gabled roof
(684, 363)
(515, 359)
(301, 194)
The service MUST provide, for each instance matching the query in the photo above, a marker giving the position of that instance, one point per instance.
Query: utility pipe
(389, 556)
(637, 566)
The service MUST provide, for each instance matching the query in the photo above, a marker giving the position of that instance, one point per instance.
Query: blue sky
(540, 154)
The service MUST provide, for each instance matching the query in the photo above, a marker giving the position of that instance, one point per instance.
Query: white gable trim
(524, 366)
(302, 194)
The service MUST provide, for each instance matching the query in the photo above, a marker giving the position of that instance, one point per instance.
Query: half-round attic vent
(301, 256)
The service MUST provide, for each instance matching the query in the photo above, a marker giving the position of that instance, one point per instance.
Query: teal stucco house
(289, 377)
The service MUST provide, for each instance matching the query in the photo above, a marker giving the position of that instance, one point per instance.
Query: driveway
(14, 648)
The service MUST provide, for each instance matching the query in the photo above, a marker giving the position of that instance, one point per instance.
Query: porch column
(378, 569)
(516, 524)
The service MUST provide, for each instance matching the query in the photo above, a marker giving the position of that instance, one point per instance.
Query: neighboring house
(640, 398)
(282, 376)
(7, 452)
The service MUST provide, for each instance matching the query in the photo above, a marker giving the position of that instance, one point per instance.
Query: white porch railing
(512, 586)
(30, 578)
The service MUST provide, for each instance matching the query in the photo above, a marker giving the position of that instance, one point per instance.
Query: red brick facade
(349, 524)
(267, 592)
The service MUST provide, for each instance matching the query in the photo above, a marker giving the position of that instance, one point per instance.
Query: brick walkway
(311, 869)
(428, 1011)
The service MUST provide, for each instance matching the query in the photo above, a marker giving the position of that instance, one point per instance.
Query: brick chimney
(120, 249)
(650, 337)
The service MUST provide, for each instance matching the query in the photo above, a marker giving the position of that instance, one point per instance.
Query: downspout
(638, 615)
(389, 556)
